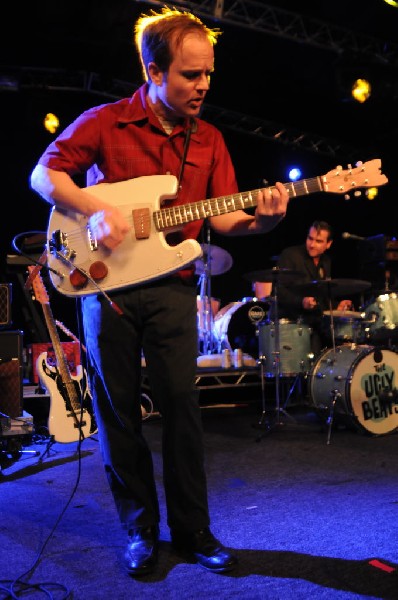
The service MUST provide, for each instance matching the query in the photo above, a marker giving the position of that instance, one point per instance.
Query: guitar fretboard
(194, 211)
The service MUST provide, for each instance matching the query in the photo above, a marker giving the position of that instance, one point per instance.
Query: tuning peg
(359, 163)
(358, 193)
(347, 197)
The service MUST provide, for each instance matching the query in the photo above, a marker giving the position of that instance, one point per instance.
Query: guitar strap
(192, 127)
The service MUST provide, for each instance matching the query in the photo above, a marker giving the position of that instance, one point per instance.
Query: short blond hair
(159, 34)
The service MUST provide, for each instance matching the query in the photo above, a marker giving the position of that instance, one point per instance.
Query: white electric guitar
(68, 420)
(79, 266)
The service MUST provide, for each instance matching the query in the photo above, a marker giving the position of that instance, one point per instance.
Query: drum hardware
(274, 275)
(214, 261)
(335, 395)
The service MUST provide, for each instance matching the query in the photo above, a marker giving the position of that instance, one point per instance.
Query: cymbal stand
(277, 366)
(334, 394)
(332, 330)
(206, 310)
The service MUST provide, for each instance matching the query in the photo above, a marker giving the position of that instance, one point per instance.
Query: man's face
(183, 88)
(317, 242)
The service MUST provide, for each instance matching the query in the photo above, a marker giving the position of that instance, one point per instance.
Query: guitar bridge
(58, 245)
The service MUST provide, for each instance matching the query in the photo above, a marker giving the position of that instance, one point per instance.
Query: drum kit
(353, 380)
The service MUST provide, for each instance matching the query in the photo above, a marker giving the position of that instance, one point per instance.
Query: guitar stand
(50, 443)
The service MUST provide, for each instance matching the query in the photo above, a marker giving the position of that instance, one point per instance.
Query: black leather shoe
(142, 550)
(205, 548)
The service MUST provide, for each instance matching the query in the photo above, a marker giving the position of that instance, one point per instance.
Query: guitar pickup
(142, 223)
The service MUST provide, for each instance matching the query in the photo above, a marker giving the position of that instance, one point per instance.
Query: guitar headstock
(38, 287)
(364, 175)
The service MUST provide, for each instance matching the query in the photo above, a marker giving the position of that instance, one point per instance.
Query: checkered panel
(5, 304)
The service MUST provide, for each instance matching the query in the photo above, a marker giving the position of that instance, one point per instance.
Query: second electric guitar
(68, 421)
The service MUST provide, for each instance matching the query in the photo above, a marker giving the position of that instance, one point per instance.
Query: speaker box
(11, 378)
(5, 304)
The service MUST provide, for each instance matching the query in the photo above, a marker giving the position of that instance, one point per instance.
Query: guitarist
(155, 132)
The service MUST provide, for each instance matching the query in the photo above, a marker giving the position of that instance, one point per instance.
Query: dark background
(280, 95)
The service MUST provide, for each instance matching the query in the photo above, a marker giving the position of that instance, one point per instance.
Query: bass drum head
(236, 325)
(362, 380)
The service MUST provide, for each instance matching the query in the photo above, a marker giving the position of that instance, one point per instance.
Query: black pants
(161, 320)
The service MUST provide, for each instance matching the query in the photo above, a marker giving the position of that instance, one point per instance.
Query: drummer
(312, 262)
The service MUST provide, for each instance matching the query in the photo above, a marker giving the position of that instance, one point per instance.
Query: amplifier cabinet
(5, 304)
(11, 377)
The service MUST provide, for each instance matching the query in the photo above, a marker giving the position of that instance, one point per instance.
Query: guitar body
(64, 424)
(137, 259)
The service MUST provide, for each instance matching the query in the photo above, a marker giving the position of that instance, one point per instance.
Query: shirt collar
(137, 110)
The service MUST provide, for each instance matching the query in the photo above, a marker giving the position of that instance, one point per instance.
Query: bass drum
(236, 325)
(362, 381)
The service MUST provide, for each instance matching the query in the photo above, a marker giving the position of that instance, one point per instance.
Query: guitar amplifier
(11, 374)
(5, 304)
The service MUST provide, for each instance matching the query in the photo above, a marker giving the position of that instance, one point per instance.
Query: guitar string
(302, 187)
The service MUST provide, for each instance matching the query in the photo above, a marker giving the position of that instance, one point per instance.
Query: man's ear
(155, 74)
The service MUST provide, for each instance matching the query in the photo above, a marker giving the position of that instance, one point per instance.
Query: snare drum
(236, 325)
(381, 318)
(362, 380)
(294, 348)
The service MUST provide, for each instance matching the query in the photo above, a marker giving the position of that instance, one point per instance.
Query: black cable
(21, 253)
(18, 587)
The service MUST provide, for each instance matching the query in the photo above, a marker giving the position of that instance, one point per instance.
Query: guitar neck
(62, 364)
(176, 216)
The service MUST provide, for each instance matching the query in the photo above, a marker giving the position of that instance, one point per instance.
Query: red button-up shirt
(124, 140)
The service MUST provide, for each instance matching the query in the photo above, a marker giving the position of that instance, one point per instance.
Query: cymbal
(333, 287)
(383, 292)
(344, 314)
(215, 259)
(275, 275)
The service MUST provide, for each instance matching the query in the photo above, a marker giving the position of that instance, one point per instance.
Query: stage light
(294, 173)
(51, 122)
(371, 193)
(392, 3)
(361, 90)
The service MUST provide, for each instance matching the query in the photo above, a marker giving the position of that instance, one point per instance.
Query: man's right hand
(109, 227)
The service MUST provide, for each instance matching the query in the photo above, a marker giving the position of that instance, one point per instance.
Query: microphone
(351, 236)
